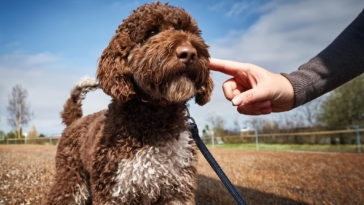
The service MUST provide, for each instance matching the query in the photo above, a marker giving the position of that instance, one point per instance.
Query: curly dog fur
(139, 150)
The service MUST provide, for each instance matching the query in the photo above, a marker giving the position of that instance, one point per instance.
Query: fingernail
(236, 100)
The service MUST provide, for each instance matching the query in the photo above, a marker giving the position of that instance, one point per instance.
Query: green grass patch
(290, 147)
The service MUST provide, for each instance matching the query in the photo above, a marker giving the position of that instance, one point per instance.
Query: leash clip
(190, 118)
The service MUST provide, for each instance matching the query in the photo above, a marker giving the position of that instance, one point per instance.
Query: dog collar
(162, 103)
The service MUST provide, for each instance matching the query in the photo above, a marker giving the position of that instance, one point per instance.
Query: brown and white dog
(139, 150)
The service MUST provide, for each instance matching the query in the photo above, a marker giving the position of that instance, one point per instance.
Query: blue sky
(47, 45)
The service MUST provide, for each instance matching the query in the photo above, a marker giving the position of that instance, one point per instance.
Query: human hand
(253, 89)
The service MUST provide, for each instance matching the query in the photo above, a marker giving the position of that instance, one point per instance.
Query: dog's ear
(204, 92)
(113, 74)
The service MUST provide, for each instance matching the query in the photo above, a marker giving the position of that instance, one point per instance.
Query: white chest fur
(154, 171)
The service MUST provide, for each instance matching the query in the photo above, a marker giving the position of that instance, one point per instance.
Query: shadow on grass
(213, 192)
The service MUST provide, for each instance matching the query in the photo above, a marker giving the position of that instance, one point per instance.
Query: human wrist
(287, 91)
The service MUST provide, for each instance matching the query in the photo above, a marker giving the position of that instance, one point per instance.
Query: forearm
(340, 62)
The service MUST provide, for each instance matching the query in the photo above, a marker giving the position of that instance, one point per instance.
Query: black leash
(215, 166)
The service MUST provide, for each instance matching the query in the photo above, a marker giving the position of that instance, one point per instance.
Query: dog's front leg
(103, 169)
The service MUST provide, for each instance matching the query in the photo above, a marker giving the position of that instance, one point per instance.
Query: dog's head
(158, 52)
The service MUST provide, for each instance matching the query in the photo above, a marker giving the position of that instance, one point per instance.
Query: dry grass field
(262, 177)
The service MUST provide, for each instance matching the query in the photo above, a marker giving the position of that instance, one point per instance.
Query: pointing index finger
(226, 66)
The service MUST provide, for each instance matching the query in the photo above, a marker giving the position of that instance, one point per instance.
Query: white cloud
(289, 34)
(238, 8)
(42, 75)
(217, 7)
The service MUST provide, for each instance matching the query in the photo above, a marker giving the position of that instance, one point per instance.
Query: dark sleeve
(337, 64)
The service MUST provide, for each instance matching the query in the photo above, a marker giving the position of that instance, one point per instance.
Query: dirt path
(269, 177)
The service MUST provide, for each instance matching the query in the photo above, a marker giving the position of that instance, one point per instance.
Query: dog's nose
(186, 53)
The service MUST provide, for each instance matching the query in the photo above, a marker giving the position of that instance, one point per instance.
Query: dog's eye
(152, 32)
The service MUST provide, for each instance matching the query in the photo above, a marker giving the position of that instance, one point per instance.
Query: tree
(344, 106)
(11, 135)
(217, 124)
(2, 135)
(32, 132)
(19, 110)
(279, 122)
(261, 124)
(236, 125)
(309, 112)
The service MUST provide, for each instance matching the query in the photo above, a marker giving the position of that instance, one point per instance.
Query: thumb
(249, 97)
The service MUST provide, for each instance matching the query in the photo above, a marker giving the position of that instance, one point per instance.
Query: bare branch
(217, 123)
